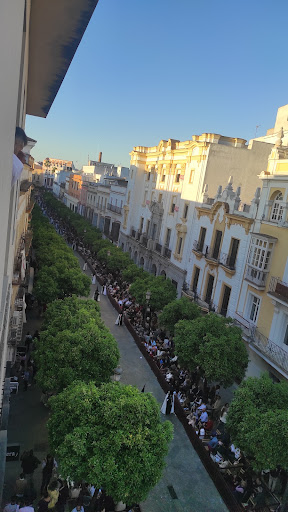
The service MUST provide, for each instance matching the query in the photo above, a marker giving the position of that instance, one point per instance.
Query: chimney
(100, 157)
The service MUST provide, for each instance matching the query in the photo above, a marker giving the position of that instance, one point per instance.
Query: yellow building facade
(262, 309)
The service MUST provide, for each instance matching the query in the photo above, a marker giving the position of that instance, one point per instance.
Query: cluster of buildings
(209, 213)
(38, 42)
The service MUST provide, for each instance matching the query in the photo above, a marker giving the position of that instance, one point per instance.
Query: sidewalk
(184, 474)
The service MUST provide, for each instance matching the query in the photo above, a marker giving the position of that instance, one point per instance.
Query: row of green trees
(162, 290)
(102, 432)
(258, 413)
(211, 342)
(58, 272)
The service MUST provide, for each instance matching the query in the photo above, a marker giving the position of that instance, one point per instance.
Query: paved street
(194, 489)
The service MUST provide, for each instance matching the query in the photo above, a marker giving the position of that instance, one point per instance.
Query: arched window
(277, 208)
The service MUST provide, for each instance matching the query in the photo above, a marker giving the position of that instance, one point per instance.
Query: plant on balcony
(161, 289)
(88, 352)
(212, 343)
(112, 435)
(258, 421)
(179, 309)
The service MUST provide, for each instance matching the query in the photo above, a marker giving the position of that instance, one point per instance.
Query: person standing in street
(12, 506)
(27, 506)
(42, 505)
(48, 465)
(85, 267)
(21, 486)
(168, 404)
(29, 463)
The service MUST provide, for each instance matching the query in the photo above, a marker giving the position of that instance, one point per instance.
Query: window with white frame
(253, 308)
(277, 208)
(260, 253)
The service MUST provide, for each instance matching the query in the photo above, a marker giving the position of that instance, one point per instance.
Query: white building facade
(167, 182)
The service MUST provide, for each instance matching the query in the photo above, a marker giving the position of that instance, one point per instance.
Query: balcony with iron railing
(276, 354)
(228, 261)
(167, 253)
(114, 208)
(133, 232)
(144, 241)
(199, 247)
(158, 247)
(278, 289)
(256, 276)
(212, 254)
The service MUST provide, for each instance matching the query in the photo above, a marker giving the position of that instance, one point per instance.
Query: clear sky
(148, 70)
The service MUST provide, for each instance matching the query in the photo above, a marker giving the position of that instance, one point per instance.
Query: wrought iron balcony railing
(274, 352)
(278, 289)
(227, 261)
(167, 253)
(158, 247)
(114, 208)
(256, 276)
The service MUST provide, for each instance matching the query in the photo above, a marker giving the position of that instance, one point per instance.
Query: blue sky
(148, 70)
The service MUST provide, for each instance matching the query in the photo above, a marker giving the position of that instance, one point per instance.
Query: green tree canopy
(112, 436)
(88, 353)
(58, 274)
(258, 421)
(133, 272)
(212, 343)
(70, 313)
(162, 291)
(179, 309)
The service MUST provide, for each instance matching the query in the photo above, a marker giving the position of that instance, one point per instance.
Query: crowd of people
(204, 407)
(55, 492)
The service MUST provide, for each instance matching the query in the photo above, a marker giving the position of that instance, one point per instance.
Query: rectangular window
(234, 245)
(209, 289)
(201, 239)
(259, 253)
(154, 230)
(173, 204)
(195, 279)
(185, 211)
(177, 177)
(217, 243)
(148, 176)
(141, 224)
(254, 308)
(286, 336)
(147, 227)
(160, 198)
(180, 241)
(168, 236)
(225, 300)
(163, 177)
(191, 178)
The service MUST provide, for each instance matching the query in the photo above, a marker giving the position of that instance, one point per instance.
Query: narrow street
(194, 490)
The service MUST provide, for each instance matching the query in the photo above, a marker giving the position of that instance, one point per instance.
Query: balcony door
(209, 289)
(217, 243)
(225, 300)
